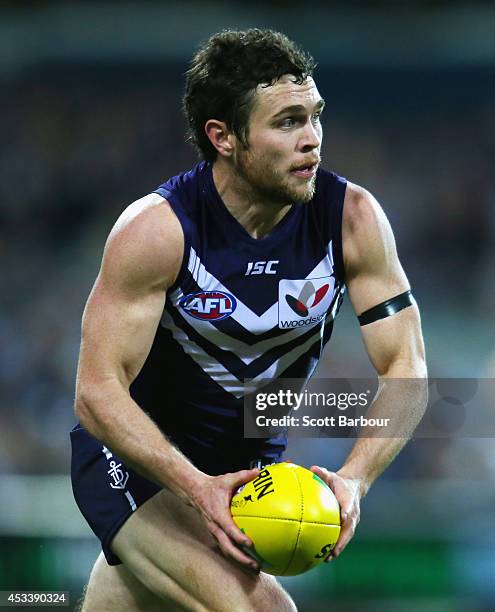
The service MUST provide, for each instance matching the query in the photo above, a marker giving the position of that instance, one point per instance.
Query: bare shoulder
(366, 232)
(362, 211)
(146, 244)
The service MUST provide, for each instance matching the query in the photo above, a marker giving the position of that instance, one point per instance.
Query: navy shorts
(107, 492)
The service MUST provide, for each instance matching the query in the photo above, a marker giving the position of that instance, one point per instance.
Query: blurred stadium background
(90, 120)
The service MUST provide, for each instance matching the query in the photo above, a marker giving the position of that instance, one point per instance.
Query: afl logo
(209, 305)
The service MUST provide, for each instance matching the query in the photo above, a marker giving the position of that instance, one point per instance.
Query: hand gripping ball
(292, 517)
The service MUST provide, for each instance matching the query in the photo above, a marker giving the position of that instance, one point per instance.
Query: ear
(220, 137)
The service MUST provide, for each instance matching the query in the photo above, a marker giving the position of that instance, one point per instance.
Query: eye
(288, 122)
(316, 117)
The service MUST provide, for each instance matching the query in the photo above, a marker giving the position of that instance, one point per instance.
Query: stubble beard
(267, 184)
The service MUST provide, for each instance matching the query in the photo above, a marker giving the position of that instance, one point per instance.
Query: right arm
(141, 260)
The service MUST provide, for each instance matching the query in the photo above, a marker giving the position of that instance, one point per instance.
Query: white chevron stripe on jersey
(247, 353)
(243, 314)
(210, 366)
(224, 377)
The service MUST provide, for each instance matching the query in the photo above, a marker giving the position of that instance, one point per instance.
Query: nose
(311, 137)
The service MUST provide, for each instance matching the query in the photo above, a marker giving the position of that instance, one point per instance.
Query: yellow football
(292, 517)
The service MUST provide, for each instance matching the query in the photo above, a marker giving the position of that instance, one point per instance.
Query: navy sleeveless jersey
(241, 309)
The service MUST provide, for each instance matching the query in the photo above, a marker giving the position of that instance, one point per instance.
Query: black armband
(387, 308)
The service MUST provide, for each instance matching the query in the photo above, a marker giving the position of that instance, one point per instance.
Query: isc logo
(209, 305)
(261, 267)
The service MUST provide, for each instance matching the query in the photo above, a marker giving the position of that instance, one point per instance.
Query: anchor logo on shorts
(119, 477)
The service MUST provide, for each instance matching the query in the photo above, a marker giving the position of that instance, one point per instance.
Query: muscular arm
(394, 345)
(141, 260)
(119, 323)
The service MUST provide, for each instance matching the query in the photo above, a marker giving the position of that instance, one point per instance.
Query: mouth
(305, 170)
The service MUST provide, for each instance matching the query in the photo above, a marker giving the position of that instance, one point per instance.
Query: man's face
(284, 141)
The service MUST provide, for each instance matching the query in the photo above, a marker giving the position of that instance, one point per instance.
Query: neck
(257, 215)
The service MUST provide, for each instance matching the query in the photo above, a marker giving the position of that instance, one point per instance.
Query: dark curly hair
(222, 79)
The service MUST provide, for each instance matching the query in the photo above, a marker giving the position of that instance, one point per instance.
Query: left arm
(394, 345)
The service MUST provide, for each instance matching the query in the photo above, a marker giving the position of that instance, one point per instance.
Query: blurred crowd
(78, 143)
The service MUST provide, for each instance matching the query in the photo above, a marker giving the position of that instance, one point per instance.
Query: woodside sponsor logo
(304, 302)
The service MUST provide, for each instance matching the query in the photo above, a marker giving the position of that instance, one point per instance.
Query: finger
(324, 474)
(242, 477)
(228, 526)
(345, 512)
(344, 539)
(346, 534)
(334, 481)
(231, 551)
